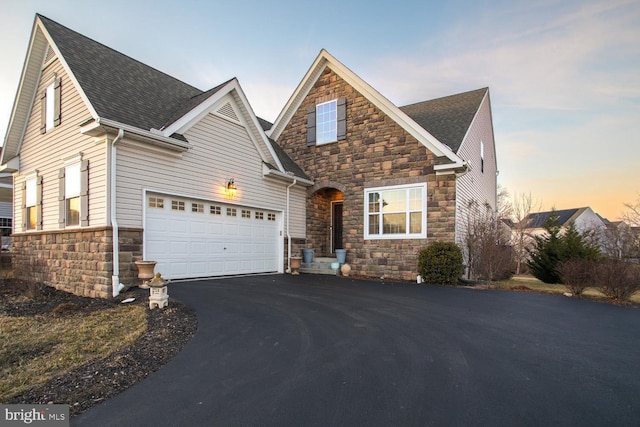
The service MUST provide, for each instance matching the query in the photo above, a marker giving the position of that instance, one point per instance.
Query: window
(231, 211)
(259, 215)
(197, 207)
(74, 193)
(50, 105)
(395, 212)
(6, 225)
(31, 215)
(246, 214)
(481, 157)
(271, 217)
(326, 126)
(156, 202)
(215, 210)
(326, 122)
(177, 205)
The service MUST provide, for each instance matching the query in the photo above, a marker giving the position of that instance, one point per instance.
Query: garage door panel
(190, 244)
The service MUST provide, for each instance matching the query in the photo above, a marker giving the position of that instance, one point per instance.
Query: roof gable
(448, 118)
(114, 84)
(325, 60)
(565, 216)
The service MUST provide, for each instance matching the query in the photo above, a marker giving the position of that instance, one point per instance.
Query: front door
(336, 226)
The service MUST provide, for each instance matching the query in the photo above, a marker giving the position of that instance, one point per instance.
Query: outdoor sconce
(231, 188)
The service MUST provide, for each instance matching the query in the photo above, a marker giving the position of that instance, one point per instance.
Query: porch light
(231, 188)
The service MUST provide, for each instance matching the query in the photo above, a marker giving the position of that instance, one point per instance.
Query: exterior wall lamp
(231, 188)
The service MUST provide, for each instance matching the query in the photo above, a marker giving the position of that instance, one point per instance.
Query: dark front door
(336, 225)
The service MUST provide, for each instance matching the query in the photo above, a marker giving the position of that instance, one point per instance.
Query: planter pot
(341, 254)
(145, 272)
(308, 255)
(295, 265)
(345, 270)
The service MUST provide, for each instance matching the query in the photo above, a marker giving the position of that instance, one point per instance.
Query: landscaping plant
(440, 263)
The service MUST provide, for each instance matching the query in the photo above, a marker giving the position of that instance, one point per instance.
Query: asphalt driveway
(319, 351)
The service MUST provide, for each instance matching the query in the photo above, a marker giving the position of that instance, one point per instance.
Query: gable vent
(227, 111)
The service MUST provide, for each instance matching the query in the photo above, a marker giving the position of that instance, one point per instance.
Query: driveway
(320, 351)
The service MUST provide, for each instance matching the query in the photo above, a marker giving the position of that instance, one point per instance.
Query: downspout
(115, 279)
(295, 180)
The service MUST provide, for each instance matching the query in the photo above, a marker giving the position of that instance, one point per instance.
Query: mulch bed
(168, 330)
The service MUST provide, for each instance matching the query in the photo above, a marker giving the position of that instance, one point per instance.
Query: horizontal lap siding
(476, 185)
(220, 150)
(47, 153)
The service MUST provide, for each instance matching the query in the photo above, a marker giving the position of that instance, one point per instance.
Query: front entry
(336, 226)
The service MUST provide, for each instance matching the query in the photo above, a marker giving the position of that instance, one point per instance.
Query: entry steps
(320, 265)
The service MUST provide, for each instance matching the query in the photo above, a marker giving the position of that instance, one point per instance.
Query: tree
(632, 215)
(487, 244)
(521, 241)
(557, 246)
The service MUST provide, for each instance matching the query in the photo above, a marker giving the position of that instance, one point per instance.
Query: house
(584, 219)
(6, 208)
(114, 161)
(387, 180)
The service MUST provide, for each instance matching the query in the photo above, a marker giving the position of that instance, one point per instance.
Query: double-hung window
(396, 212)
(50, 105)
(32, 203)
(327, 122)
(74, 194)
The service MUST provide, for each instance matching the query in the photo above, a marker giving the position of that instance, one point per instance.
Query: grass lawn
(35, 349)
(530, 282)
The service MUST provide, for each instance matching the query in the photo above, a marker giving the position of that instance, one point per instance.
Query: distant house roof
(447, 118)
(120, 88)
(565, 216)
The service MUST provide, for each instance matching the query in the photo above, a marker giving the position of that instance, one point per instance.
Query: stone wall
(79, 261)
(377, 152)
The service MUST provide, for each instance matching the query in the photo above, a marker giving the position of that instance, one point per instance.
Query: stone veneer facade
(377, 152)
(79, 261)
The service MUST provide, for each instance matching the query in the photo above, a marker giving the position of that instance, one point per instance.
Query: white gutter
(115, 279)
(295, 180)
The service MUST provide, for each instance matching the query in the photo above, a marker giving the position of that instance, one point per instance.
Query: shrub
(554, 248)
(440, 263)
(618, 279)
(578, 274)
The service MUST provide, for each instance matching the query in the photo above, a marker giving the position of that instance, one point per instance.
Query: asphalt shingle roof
(448, 118)
(119, 87)
(538, 220)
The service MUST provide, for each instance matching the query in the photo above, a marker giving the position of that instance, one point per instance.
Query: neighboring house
(584, 219)
(6, 208)
(114, 161)
(388, 179)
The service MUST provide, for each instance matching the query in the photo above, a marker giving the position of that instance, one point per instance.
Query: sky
(564, 76)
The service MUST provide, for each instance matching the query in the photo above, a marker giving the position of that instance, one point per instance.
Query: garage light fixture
(231, 188)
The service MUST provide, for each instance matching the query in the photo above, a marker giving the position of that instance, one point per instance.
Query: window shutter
(342, 119)
(57, 102)
(43, 112)
(311, 126)
(24, 206)
(84, 194)
(61, 200)
(39, 203)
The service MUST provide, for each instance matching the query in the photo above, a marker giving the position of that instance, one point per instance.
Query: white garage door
(191, 238)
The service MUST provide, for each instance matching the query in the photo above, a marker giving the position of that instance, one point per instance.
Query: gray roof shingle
(120, 88)
(448, 118)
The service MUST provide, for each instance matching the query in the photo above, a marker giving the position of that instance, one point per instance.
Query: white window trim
(422, 235)
(75, 162)
(49, 122)
(335, 134)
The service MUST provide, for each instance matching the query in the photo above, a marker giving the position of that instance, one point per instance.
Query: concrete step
(320, 265)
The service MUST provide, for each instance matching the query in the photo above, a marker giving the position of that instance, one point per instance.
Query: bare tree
(521, 207)
(632, 215)
(486, 244)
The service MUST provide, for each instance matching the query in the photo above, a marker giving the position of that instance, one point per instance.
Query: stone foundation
(78, 261)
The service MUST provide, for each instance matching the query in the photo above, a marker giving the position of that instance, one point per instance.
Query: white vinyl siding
(477, 185)
(220, 150)
(47, 153)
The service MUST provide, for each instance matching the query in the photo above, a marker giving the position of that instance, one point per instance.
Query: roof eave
(103, 126)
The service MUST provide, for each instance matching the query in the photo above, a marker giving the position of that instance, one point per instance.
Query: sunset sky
(564, 76)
